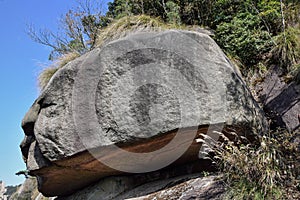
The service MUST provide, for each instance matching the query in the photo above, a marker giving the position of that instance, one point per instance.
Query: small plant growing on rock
(23, 172)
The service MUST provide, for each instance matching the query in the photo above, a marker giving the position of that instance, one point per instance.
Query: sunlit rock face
(2, 191)
(136, 105)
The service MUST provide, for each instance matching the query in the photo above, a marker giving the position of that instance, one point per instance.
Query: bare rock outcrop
(280, 100)
(2, 191)
(28, 190)
(137, 105)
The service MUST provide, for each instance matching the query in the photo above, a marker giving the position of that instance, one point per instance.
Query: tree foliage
(247, 29)
(246, 39)
(79, 28)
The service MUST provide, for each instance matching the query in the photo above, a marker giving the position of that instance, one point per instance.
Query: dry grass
(45, 76)
(268, 171)
(140, 23)
(131, 24)
(65, 59)
(47, 73)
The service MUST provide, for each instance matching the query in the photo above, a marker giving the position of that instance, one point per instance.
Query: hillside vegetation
(253, 33)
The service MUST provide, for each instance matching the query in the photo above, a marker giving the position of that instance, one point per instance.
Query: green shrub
(244, 37)
(225, 10)
(173, 12)
(270, 14)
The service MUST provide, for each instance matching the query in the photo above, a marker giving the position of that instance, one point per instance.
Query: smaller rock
(28, 190)
(197, 188)
(2, 191)
(280, 100)
(193, 186)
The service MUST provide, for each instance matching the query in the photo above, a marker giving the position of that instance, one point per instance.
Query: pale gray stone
(130, 91)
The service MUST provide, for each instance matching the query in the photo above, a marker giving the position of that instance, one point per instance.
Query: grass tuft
(270, 170)
(287, 49)
(139, 23)
(47, 73)
(131, 24)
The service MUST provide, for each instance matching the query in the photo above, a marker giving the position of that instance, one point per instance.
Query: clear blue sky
(20, 60)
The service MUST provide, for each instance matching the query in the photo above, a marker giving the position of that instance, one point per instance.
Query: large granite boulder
(138, 104)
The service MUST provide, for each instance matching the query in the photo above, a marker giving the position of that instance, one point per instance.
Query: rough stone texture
(28, 190)
(177, 189)
(138, 93)
(193, 186)
(35, 158)
(2, 191)
(281, 101)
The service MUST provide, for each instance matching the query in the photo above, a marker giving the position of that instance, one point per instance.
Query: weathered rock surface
(281, 101)
(193, 186)
(10, 191)
(28, 190)
(2, 191)
(136, 105)
(196, 188)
